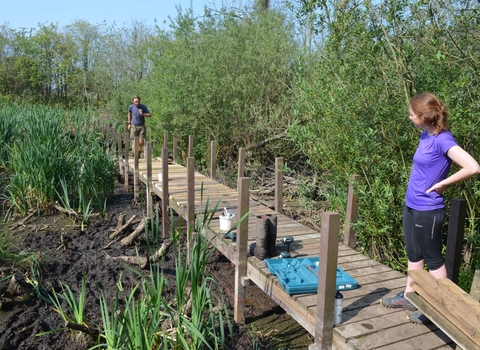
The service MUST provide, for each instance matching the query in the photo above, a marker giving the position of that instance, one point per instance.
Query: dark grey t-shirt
(138, 119)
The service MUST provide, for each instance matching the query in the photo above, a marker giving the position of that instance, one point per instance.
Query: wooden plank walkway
(365, 323)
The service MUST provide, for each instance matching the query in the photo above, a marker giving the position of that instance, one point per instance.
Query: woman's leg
(414, 252)
(413, 266)
(439, 273)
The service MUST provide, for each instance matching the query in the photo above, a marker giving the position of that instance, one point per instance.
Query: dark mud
(23, 317)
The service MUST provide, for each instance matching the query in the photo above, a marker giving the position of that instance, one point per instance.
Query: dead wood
(267, 140)
(69, 212)
(63, 242)
(17, 285)
(134, 260)
(24, 220)
(123, 227)
(160, 253)
(121, 221)
(129, 239)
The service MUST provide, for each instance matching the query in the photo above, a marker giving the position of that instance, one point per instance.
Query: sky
(28, 13)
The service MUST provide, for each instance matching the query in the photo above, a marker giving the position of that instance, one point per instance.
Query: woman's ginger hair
(431, 110)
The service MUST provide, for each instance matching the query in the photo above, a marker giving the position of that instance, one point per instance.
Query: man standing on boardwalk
(137, 113)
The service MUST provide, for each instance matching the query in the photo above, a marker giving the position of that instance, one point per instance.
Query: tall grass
(47, 151)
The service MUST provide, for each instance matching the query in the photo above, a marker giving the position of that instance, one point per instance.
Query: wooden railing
(328, 247)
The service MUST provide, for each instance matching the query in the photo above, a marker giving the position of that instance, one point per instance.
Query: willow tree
(353, 105)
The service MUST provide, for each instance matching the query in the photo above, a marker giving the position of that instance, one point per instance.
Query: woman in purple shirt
(424, 210)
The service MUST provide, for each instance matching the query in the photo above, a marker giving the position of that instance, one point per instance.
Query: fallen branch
(24, 220)
(129, 239)
(267, 140)
(64, 244)
(121, 221)
(120, 230)
(134, 260)
(109, 244)
(69, 212)
(167, 243)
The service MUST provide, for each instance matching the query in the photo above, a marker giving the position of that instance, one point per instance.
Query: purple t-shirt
(430, 165)
(137, 118)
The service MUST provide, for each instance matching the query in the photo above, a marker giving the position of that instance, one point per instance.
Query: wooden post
(126, 169)
(148, 155)
(190, 195)
(327, 276)
(165, 138)
(135, 169)
(279, 185)
(352, 212)
(112, 143)
(213, 160)
(241, 256)
(190, 146)
(105, 131)
(119, 143)
(241, 163)
(456, 233)
(165, 213)
(175, 142)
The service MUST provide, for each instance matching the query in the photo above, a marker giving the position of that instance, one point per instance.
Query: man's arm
(146, 112)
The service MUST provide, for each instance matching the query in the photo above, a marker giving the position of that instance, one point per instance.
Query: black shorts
(423, 236)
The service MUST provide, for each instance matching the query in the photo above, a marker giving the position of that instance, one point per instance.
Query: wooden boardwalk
(365, 323)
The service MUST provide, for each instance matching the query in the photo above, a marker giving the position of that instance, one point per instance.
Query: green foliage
(225, 78)
(8, 252)
(75, 310)
(351, 115)
(53, 155)
(187, 322)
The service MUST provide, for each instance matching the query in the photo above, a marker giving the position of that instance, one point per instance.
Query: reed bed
(43, 148)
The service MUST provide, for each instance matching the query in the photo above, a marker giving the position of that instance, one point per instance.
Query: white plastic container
(226, 222)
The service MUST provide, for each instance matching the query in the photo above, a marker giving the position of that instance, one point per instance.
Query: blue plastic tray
(298, 276)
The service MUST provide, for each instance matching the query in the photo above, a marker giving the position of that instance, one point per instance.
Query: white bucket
(159, 176)
(226, 223)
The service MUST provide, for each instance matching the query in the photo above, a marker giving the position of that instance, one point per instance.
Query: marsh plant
(53, 155)
(192, 320)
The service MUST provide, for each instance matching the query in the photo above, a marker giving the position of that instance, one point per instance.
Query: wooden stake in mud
(136, 155)
(213, 160)
(119, 143)
(126, 166)
(148, 155)
(327, 277)
(242, 244)
(166, 216)
(279, 185)
(112, 143)
(351, 216)
(190, 196)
